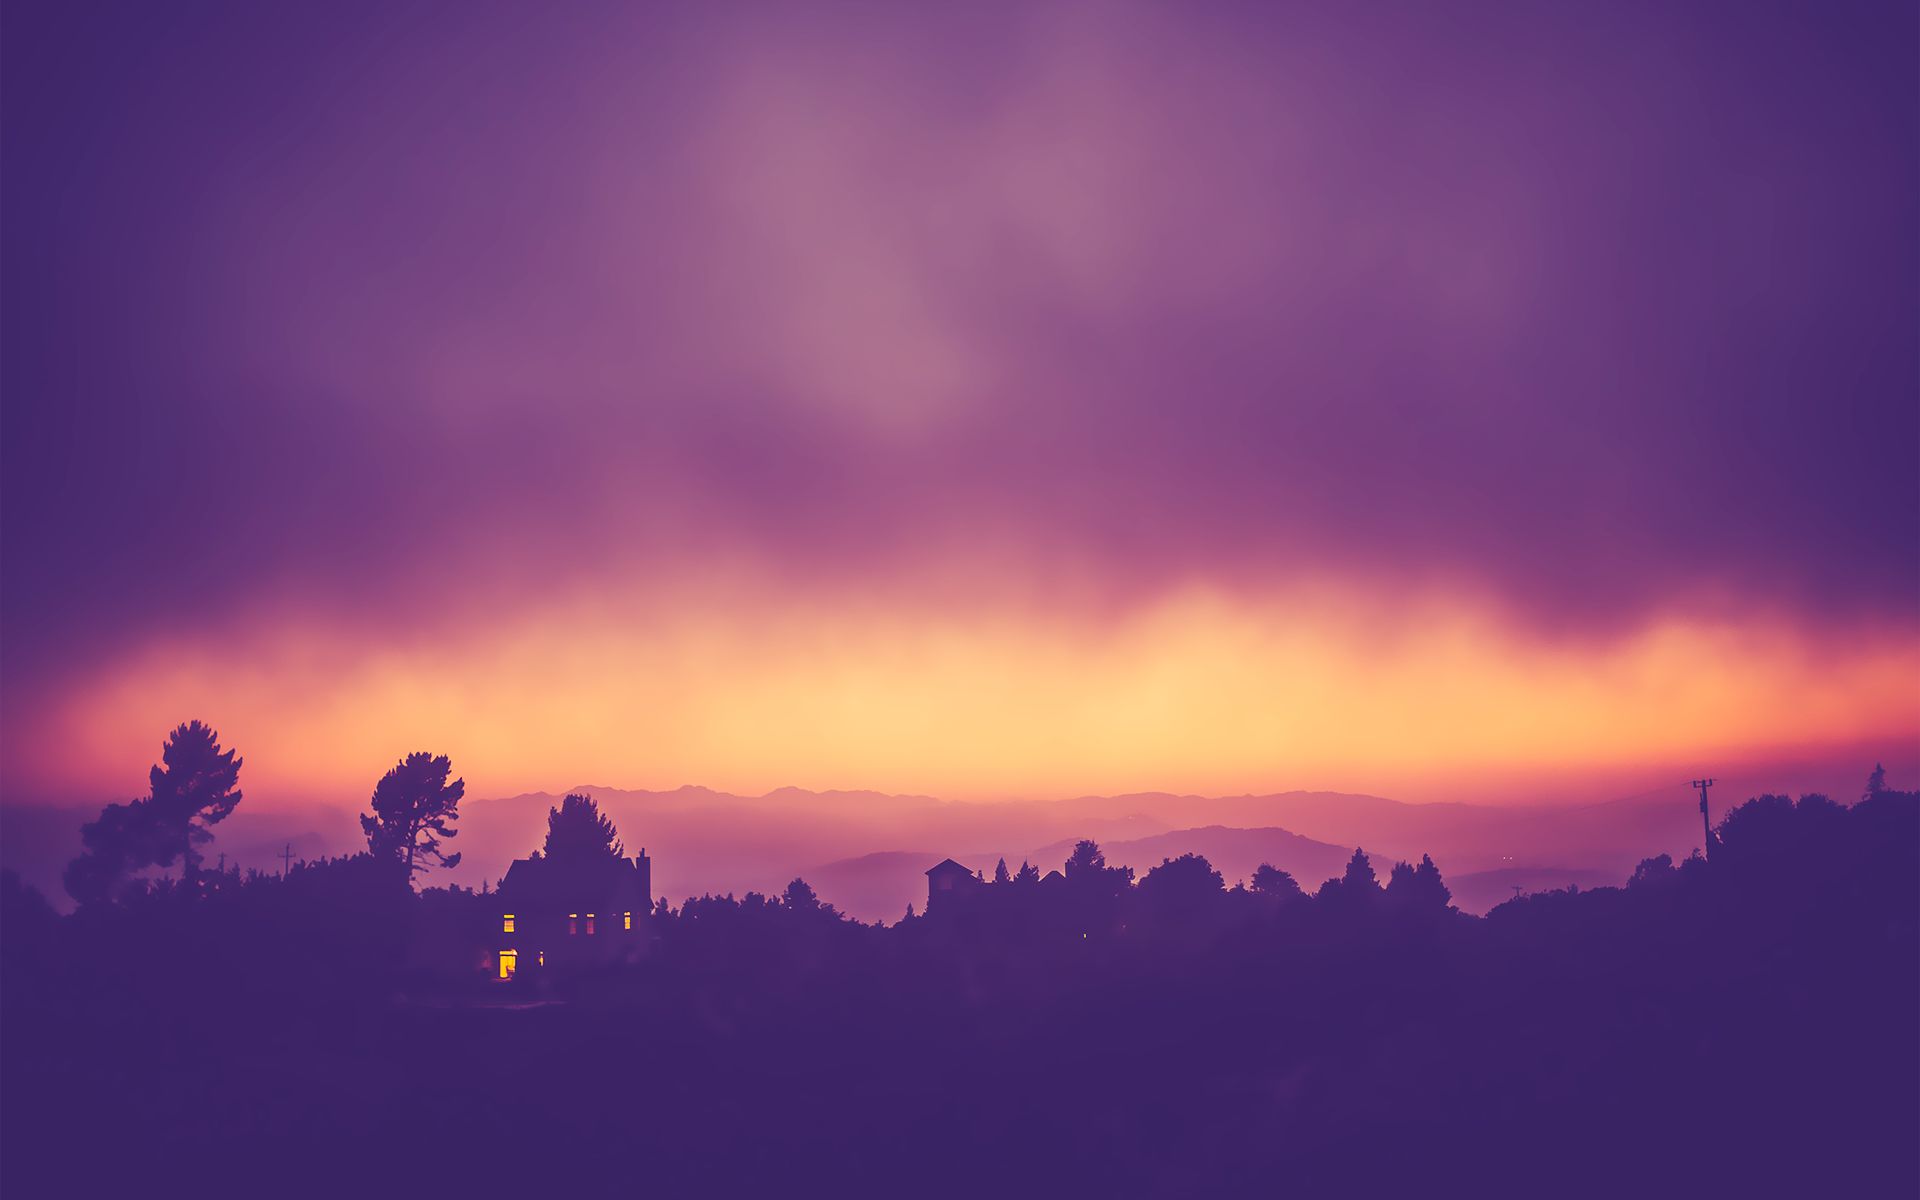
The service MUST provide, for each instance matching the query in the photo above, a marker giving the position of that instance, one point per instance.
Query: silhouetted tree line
(196, 785)
(1739, 1022)
(414, 807)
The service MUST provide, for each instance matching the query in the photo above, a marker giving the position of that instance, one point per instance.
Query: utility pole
(1706, 827)
(286, 860)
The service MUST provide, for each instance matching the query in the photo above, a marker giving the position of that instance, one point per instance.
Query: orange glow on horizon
(1202, 692)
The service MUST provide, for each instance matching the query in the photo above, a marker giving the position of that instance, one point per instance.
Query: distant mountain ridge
(1235, 853)
(879, 886)
(882, 884)
(705, 840)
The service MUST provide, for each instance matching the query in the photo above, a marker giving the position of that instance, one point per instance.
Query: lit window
(573, 924)
(629, 920)
(509, 960)
(541, 958)
(506, 923)
(589, 924)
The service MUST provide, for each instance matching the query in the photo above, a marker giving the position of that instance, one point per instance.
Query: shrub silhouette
(1181, 887)
(1418, 888)
(1269, 880)
(1086, 859)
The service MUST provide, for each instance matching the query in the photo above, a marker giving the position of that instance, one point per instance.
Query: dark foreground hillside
(1744, 1026)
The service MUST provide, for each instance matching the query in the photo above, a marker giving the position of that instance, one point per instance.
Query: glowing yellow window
(573, 924)
(589, 924)
(629, 918)
(509, 961)
(506, 923)
(541, 958)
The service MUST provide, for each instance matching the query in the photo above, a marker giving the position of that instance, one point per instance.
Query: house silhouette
(556, 913)
(946, 878)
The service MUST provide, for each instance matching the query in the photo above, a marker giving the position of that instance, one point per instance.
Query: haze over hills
(1235, 853)
(864, 851)
(702, 840)
(38, 840)
(880, 886)
(860, 848)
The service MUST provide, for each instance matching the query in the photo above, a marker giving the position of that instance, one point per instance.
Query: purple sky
(386, 319)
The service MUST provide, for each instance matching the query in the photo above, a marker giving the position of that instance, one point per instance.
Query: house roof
(948, 867)
(597, 883)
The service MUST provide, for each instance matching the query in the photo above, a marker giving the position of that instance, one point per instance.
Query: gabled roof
(947, 867)
(596, 883)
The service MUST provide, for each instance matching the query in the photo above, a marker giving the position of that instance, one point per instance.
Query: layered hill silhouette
(885, 883)
(865, 851)
(1110, 1035)
(859, 848)
(1235, 853)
